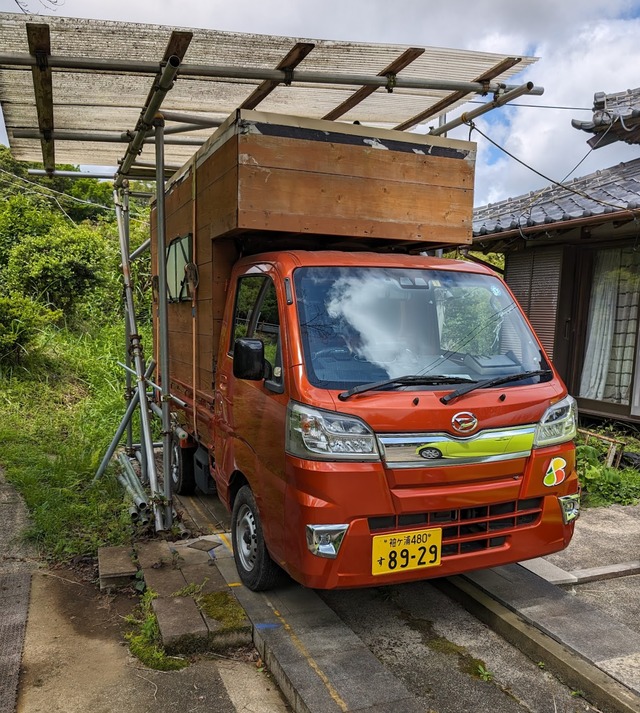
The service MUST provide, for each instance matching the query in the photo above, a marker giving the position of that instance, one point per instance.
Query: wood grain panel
(347, 160)
(216, 165)
(282, 200)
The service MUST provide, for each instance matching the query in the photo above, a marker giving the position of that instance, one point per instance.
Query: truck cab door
(251, 420)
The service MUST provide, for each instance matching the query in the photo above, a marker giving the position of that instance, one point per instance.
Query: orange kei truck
(368, 413)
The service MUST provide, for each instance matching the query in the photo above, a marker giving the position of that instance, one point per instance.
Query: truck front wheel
(257, 570)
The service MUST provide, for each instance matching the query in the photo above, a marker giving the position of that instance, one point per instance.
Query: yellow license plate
(403, 551)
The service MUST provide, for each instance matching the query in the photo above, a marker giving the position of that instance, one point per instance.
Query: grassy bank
(58, 413)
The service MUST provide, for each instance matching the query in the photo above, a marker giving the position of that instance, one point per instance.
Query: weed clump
(144, 638)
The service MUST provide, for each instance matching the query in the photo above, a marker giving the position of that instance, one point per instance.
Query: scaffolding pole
(127, 324)
(163, 320)
(138, 361)
(123, 425)
(17, 59)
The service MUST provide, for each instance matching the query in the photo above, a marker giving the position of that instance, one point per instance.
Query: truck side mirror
(248, 359)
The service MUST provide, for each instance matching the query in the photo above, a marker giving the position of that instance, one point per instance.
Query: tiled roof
(607, 191)
(616, 117)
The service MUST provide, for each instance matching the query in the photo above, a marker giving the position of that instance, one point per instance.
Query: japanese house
(572, 259)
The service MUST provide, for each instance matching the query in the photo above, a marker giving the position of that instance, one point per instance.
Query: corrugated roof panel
(109, 101)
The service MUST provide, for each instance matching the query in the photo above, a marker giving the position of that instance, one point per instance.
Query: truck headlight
(325, 435)
(558, 425)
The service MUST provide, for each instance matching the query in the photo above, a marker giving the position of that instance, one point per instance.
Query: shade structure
(85, 112)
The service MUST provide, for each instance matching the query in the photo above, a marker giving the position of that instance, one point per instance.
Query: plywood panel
(282, 200)
(363, 161)
(216, 165)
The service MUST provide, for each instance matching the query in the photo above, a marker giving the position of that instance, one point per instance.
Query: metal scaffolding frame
(151, 129)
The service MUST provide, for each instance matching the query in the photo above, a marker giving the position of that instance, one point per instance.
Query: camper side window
(178, 256)
(256, 316)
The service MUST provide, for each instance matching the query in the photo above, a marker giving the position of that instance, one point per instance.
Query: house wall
(560, 286)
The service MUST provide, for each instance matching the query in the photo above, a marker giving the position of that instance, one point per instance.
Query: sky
(584, 47)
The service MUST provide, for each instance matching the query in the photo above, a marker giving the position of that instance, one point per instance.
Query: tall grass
(59, 410)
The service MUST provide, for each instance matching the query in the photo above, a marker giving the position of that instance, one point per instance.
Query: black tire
(183, 480)
(255, 567)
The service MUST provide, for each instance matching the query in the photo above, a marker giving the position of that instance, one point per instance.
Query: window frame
(178, 288)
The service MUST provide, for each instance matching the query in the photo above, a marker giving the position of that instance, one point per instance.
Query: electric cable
(65, 195)
(559, 184)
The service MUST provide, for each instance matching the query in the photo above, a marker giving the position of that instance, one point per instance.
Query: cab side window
(256, 317)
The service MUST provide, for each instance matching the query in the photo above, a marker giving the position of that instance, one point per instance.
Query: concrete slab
(609, 571)
(319, 663)
(14, 605)
(207, 576)
(163, 581)
(555, 612)
(598, 649)
(549, 571)
(116, 567)
(189, 556)
(154, 553)
(182, 627)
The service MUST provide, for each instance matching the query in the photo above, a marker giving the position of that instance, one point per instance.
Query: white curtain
(601, 326)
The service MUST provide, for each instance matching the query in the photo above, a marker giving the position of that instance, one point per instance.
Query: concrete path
(16, 563)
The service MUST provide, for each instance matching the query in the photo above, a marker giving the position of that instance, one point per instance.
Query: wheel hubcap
(246, 538)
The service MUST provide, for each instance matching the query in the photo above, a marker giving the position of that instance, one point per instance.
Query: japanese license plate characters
(403, 551)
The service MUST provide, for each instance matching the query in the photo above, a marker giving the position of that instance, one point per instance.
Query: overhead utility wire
(472, 127)
(61, 193)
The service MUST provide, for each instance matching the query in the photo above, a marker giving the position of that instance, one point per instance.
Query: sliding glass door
(612, 329)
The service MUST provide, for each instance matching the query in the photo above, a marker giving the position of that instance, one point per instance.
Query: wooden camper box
(265, 182)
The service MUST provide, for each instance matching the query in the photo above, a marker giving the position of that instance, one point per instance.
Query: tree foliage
(59, 255)
(57, 268)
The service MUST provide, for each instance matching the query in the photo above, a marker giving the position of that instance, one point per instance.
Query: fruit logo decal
(555, 472)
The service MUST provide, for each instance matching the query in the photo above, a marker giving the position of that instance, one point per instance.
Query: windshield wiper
(493, 382)
(410, 380)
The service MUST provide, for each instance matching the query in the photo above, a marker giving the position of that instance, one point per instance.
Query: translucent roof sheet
(104, 101)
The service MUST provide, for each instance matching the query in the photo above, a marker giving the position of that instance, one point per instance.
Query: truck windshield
(361, 325)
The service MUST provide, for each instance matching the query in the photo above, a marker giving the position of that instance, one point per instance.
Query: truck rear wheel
(257, 570)
(182, 469)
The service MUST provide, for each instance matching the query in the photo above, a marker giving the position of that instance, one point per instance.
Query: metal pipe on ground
(138, 501)
(131, 476)
(184, 533)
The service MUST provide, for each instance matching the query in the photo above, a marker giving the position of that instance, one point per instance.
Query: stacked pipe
(139, 509)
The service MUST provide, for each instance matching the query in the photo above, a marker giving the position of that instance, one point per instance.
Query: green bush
(57, 268)
(21, 320)
(605, 485)
(23, 216)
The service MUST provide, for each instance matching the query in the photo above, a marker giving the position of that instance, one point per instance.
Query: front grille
(468, 529)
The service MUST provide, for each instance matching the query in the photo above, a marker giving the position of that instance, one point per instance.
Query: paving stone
(207, 575)
(186, 555)
(155, 553)
(164, 581)
(181, 625)
(116, 567)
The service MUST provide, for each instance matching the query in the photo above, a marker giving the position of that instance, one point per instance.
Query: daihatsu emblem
(464, 422)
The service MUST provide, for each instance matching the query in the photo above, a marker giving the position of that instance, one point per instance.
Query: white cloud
(585, 46)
